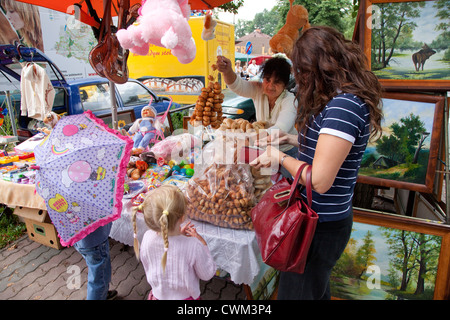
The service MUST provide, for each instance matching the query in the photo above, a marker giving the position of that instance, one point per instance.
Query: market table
(20, 195)
(234, 251)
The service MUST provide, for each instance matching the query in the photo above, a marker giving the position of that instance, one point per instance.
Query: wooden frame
(417, 174)
(123, 118)
(353, 278)
(404, 74)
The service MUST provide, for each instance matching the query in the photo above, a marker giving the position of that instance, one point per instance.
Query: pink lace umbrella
(82, 167)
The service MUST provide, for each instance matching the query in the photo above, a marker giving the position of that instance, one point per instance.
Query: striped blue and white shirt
(345, 116)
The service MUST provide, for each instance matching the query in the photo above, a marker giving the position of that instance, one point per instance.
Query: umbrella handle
(35, 167)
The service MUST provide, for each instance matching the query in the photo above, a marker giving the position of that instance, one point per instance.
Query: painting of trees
(406, 153)
(406, 262)
(406, 33)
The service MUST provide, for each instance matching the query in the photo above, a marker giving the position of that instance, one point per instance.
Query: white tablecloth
(234, 251)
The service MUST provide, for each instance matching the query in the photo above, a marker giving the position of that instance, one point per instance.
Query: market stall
(220, 191)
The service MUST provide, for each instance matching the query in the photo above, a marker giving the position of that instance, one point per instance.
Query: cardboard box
(39, 226)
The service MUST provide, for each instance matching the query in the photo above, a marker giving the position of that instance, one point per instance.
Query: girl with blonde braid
(175, 273)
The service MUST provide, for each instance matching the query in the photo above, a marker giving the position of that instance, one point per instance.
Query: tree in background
(340, 14)
(232, 6)
(266, 21)
(333, 13)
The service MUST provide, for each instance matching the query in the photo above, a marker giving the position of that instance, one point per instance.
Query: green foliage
(232, 6)
(10, 227)
(340, 14)
(177, 119)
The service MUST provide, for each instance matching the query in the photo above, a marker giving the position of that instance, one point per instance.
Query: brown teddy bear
(283, 41)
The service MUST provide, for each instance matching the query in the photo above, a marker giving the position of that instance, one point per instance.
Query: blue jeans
(330, 240)
(98, 262)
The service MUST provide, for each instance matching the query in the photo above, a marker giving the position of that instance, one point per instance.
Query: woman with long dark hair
(339, 109)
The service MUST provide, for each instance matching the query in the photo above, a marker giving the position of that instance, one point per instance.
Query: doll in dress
(143, 129)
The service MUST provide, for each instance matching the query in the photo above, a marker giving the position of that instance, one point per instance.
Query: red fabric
(64, 5)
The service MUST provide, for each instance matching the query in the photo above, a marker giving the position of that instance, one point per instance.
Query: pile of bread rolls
(222, 195)
(261, 183)
(208, 108)
(242, 125)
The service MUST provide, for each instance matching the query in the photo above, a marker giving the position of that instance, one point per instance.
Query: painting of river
(386, 264)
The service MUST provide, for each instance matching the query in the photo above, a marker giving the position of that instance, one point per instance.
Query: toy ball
(172, 163)
(183, 171)
(187, 167)
(192, 166)
(189, 172)
(176, 168)
(182, 164)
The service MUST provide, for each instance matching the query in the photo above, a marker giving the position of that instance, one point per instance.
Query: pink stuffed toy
(163, 23)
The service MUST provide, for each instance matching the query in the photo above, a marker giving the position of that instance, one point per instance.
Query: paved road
(31, 271)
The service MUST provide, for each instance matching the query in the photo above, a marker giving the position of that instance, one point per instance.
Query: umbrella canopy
(260, 59)
(82, 167)
(66, 5)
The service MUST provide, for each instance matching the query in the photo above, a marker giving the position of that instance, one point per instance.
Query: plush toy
(164, 24)
(209, 28)
(284, 40)
(50, 121)
(144, 129)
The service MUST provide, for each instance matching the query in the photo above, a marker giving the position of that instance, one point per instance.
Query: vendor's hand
(270, 157)
(276, 137)
(223, 64)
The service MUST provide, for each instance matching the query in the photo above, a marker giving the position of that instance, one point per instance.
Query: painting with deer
(409, 40)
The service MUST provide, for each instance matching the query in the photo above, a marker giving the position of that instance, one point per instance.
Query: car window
(95, 97)
(133, 93)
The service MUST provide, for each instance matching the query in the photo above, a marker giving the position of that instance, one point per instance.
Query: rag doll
(283, 41)
(144, 130)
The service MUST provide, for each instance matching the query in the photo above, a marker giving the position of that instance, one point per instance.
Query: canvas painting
(405, 156)
(410, 40)
(374, 265)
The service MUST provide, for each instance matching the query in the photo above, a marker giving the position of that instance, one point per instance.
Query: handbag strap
(295, 182)
(309, 185)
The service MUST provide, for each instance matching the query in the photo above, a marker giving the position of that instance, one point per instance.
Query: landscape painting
(405, 156)
(410, 40)
(382, 263)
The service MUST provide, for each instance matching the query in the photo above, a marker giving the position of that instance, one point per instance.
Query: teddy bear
(284, 40)
(163, 24)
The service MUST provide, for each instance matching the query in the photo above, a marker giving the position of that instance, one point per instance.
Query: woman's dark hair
(324, 64)
(278, 67)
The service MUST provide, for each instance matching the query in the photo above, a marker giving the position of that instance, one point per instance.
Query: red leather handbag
(284, 224)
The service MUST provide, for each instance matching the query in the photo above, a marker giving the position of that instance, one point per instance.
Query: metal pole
(112, 92)
(12, 116)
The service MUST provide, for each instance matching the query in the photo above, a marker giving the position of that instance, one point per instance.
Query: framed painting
(393, 257)
(406, 155)
(407, 43)
(123, 118)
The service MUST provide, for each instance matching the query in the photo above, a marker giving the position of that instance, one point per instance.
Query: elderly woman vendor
(273, 102)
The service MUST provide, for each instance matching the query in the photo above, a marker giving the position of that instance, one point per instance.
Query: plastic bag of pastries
(222, 195)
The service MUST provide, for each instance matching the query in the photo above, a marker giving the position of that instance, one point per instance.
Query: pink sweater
(188, 261)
